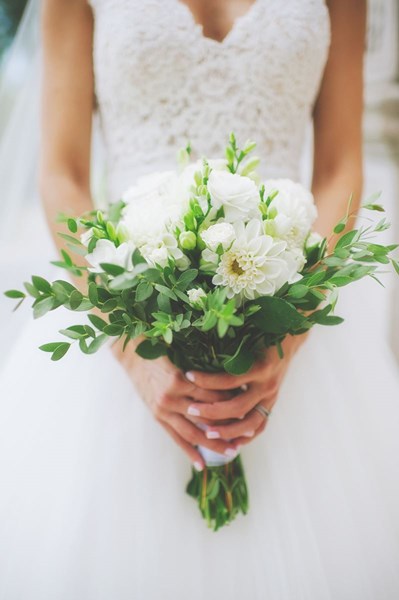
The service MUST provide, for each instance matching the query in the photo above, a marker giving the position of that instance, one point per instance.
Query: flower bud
(188, 240)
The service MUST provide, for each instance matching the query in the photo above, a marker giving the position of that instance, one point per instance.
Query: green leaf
(32, 291)
(75, 299)
(241, 362)
(60, 351)
(298, 290)
(109, 305)
(165, 290)
(75, 332)
(395, 265)
(96, 344)
(93, 295)
(151, 351)
(60, 293)
(222, 327)
(50, 347)
(97, 322)
(41, 284)
(339, 227)
(346, 239)
(144, 291)
(341, 281)
(277, 316)
(71, 240)
(111, 269)
(113, 329)
(186, 278)
(41, 307)
(68, 260)
(72, 225)
(14, 294)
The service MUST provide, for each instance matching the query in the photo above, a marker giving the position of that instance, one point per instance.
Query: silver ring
(263, 411)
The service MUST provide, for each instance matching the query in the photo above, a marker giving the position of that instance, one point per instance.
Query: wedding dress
(92, 502)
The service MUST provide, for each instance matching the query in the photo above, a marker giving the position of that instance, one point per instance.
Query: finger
(235, 408)
(242, 441)
(217, 381)
(192, 453)
(182, 387)
(196, 437)
(246, 427)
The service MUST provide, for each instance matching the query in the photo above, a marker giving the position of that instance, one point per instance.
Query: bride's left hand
(260, 386)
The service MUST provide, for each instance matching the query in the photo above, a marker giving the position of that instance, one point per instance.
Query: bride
(92, 504)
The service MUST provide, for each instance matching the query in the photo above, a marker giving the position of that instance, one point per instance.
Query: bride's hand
(169, 394)
(260, 387)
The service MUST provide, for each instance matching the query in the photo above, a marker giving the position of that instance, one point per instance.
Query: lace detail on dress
(161, 83)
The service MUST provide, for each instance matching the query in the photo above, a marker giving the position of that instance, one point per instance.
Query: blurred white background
(22, 255)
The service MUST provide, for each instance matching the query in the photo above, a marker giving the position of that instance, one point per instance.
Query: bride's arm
(67, 27)
(337, 174)
(67, 107)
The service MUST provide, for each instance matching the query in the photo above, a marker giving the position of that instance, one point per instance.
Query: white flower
(295, 261)
(238, 195)
(106, 252)
(292, 212)
(155, 205)
(220, 233)
(158, 251)
(196, 296)
(253, 266)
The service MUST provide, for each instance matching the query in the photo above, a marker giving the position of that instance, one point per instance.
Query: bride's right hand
(168, 394)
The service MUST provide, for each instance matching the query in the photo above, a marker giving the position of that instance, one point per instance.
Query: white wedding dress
(92, 501)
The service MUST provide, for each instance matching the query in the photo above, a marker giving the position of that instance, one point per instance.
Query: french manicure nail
(249, 434)
(193, 411)
(198, 466)
(212, 435)
(230, 452)
(190, 376)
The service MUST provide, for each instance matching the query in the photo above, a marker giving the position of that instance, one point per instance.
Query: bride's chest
(139, 42)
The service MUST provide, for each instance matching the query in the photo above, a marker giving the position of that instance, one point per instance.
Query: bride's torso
(161, 83)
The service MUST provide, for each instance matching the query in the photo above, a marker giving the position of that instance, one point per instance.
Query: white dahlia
(254, 264)
(291, 213)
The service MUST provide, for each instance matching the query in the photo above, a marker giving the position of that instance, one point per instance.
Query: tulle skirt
(92, 501)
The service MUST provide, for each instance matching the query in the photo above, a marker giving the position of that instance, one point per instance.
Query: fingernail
(212, 435)
(193, 411)
(190, 376)
(244, 387)
(230, 452)
(198, 466)
(249, 434)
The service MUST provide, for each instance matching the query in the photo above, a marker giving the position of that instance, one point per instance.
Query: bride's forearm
(62, 194)
(332, 193)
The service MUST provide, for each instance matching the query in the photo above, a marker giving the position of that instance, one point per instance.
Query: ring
(263, 411)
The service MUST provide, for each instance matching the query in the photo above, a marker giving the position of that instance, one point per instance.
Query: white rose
(106, 252)
(220, 233)
(238, 195)
(293, 212)
(195, 296)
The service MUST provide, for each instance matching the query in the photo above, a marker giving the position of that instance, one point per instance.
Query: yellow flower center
(235, 267)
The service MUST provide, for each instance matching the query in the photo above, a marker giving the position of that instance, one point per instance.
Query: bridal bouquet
(210, 266)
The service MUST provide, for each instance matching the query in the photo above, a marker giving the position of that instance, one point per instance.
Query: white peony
(220, 233)
(254, 265)
(154, 205)
(238, 195)
(159, 250)
(196, 296)
(292, 212)
(106, 252)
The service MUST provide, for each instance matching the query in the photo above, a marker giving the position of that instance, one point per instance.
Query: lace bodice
(160, 83)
